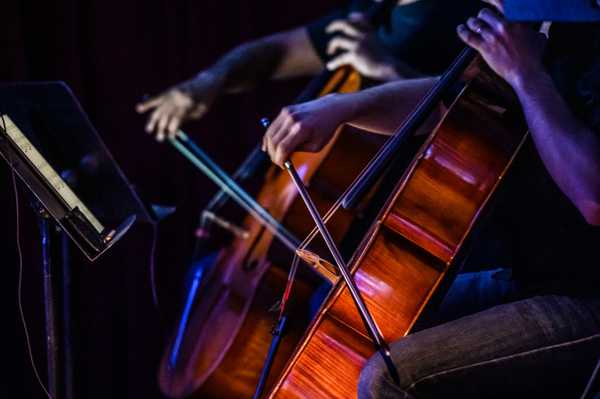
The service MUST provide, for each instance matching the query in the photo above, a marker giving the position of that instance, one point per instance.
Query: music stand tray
(48, 141)
(46, 137)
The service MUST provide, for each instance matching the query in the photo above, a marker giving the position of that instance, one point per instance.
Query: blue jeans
(539, 347)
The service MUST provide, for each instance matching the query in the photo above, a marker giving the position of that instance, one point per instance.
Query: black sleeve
(575, 70)
(589, 90)
(316, 29)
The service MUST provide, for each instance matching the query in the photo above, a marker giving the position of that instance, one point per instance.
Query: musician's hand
(513, 50)
(498, 4)
(305, 127)
(356, 45)
(185, 101)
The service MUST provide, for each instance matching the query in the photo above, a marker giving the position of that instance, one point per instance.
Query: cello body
(228, 336)
(412, 248)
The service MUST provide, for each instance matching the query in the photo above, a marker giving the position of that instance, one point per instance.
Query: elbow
(591, 211)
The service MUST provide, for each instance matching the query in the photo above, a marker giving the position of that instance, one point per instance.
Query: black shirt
(421, 34)
(554, 248)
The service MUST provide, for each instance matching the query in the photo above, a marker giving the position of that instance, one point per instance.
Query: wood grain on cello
(414, 242)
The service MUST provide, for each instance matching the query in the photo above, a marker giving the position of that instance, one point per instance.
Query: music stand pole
(49, 304)
(44, 133)
(67, 328)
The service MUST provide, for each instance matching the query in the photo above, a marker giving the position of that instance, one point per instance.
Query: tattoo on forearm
(250, 64)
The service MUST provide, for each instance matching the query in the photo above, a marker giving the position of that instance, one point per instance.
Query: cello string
(368, 320)
(414, 120)
(219, 199)
(315, 231)
(242, 197)
(288, 286)
(326, 217)
(267, 221)
(236, 193)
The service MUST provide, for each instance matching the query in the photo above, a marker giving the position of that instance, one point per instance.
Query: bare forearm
(279, 56)
(382, 109)
(310, 126)
(569, 149)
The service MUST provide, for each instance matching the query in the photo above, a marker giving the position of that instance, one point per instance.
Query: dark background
(111, 54)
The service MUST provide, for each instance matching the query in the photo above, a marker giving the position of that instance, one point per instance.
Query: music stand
(49, 142)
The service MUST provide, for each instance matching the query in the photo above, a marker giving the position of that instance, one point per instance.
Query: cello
(417, 241)
(224, 332)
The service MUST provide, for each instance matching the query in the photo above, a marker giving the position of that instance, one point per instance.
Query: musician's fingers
(160, 135)
(481, 28)
(493, 19)
(148, 104)
(341, 43)
(161, 126)
(283, 131)
(499, 4)
(173, 125)
(287, 145)
(154, 117)
(345, 27)
(271, 130)
(469, 37)
(341, 60)
(359, 18)
(265, 140)
(263, 145)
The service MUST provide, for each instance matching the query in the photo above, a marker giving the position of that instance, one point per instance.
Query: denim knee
(376, 383)
(370, 379)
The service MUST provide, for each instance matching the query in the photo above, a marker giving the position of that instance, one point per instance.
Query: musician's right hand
(188, 100)
(306, 127)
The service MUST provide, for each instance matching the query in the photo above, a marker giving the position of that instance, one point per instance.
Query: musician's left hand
(356, 45)
(499, 4)
(513, 50)
(305, 127)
